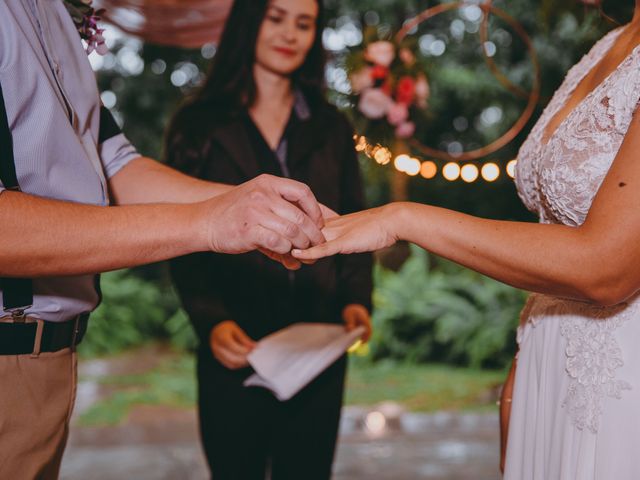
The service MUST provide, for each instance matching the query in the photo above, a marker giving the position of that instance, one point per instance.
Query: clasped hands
(282, 219)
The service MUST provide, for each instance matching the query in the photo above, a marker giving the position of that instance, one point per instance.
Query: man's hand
(354, 316)
(288, 260)
(268, 213)
(231, 345)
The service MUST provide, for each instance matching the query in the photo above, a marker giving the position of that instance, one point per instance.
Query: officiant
(262, 110)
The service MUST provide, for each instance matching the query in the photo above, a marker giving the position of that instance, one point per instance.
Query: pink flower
(380, 53)
(405, 130)
(397, 114)
(407, 57)
(361, 79)
(422, 91)
(374, 103)
(406, 89)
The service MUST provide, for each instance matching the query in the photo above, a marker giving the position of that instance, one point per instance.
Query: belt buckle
(18, 315)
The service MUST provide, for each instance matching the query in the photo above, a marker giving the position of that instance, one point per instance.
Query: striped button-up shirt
(53, 111)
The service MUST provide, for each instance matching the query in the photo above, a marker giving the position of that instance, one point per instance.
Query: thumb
(327, 213)
(241, 337)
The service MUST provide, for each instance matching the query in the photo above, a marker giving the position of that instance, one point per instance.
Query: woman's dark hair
(229, 87)
(230, 81)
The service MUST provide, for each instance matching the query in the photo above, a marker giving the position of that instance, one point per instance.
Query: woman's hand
(354, 316)
(364, 231)
(231, 345)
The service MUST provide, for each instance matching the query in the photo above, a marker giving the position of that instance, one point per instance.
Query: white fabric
(576, 405)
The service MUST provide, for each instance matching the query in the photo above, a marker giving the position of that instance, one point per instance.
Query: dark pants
(246, 432)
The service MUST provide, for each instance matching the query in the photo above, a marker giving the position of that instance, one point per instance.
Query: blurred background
(421, 396)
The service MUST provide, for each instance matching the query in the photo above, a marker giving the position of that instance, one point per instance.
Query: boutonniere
(86, 19)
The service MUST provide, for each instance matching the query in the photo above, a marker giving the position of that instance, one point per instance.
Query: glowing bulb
(428, 169)
(375, 422)
(401, 162)
(490, 172)
(511, 168)
(469, 173)
(381, 155)
(413, 167)
(361, 144)
(451, 171)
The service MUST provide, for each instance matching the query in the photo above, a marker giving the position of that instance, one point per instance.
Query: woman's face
(286, 35)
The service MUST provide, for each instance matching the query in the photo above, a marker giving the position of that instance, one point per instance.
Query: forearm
(43, 237)
(147, 181)
(553, 259)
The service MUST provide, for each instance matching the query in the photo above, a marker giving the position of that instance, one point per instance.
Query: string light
(469, 173)
(490, 172)
(401, 162)
(428, 169)
(413, 167)
(451, 171)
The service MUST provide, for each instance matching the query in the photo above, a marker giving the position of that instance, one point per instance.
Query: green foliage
(135, 311)
(423, 388)
(171, 384)
(442, 312)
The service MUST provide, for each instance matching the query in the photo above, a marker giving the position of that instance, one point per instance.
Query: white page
(289, 359)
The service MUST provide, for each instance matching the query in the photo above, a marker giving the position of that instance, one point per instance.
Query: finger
(287, 260)
(319, 251)
(350, 322)
(366, 336)
(286, 229)
(231, 360)
(264, 238)
(300, 194)
(236, 347)
(296, 216)
(242, 338)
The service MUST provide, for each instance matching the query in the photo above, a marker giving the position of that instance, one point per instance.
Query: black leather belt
(20, 338)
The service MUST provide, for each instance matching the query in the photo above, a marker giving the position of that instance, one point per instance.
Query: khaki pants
(36, 400)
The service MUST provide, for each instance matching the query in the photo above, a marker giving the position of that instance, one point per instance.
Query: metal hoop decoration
(533, 96)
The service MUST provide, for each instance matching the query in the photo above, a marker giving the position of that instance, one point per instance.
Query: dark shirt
(254, 291)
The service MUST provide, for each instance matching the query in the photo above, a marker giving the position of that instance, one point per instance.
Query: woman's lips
(285, 51)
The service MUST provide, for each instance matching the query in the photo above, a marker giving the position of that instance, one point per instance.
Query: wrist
(201, 226)
(395, 220)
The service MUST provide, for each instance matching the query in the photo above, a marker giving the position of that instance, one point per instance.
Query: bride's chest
(560, 178)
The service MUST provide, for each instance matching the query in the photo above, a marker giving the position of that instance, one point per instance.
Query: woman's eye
(274, 19)
(305, 26)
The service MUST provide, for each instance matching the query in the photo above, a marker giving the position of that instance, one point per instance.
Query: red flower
(406, 90)
(386, 87)
(379, 73)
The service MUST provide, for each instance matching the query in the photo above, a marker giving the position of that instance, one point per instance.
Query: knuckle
(299, 217)
(292, 230)
(255, 196)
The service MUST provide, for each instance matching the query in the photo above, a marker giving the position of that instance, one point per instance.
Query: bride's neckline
(547, 136)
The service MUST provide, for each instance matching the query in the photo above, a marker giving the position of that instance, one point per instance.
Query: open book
(289, 359)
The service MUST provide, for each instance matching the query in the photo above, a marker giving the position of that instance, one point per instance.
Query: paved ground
(382, 443)
(162, 445)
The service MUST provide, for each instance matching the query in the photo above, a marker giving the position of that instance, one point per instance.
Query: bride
(576, 398)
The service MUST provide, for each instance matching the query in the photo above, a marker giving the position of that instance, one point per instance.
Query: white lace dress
(576, 404)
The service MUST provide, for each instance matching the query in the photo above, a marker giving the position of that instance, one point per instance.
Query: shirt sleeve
(114, 148)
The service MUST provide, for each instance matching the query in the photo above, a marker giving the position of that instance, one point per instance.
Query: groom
(63, 163)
